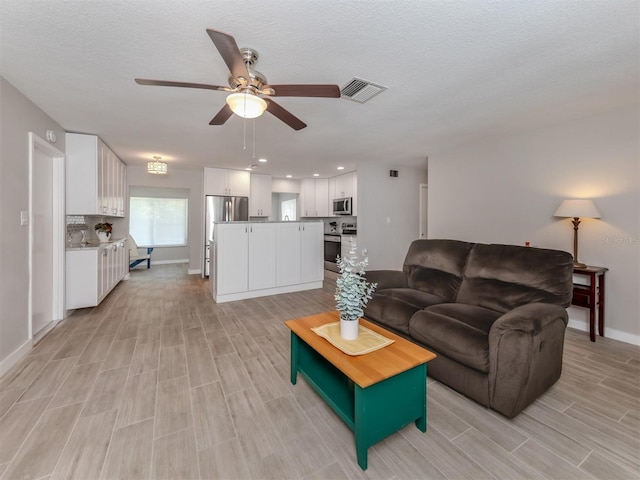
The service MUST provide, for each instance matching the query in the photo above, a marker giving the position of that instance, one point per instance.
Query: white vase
(103, 236)
(349, 329)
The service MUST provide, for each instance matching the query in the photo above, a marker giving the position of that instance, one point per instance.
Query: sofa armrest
(525, 355)
(387, 278)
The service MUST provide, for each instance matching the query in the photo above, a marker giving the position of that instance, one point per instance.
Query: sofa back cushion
(503, 277)
(436, 266)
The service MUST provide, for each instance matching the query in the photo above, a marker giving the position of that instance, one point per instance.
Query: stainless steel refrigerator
(221, 209)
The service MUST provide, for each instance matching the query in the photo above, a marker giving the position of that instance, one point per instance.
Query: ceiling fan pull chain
(254, 139)
(244, 133)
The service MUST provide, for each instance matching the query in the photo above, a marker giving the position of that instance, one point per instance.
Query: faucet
(286, 218)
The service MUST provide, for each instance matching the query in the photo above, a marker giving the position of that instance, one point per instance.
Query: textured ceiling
(455, 71)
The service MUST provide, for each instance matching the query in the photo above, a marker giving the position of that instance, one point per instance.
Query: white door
(288, 253)
(262, 256)
(312, 257)
(46, 249)
(232, 267)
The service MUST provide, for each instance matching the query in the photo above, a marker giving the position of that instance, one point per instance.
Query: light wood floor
(159, 382)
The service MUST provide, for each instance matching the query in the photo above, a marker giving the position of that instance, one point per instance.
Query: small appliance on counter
(333, 227)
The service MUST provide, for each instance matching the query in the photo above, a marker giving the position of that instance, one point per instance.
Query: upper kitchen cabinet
(219, 181)
(314, 197)
(344, 186)
(96, 178)
(260, 199)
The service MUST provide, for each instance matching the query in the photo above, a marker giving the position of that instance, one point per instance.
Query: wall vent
(360, 90)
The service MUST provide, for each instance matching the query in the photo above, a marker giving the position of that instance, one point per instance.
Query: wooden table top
(364, 370)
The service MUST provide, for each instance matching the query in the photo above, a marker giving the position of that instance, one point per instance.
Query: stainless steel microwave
(342, 206)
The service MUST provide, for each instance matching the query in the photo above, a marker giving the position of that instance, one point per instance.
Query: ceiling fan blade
(230, 53)
(287, 117)
(163, 83)
(222, 116)
(327, 91)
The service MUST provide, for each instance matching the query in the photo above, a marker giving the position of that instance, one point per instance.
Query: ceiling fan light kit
(246, 105)
(246, 84)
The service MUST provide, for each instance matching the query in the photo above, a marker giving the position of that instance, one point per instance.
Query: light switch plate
(24, 217)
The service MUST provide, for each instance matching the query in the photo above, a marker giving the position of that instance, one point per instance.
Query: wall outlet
(24, 217)
(388, 219)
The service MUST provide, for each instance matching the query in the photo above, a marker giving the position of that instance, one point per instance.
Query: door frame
(423, 199)
(58, 233)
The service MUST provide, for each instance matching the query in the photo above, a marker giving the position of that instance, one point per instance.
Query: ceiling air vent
(360, 90)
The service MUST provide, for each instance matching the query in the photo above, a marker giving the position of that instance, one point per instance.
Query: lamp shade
(577, 208)
(246, 105)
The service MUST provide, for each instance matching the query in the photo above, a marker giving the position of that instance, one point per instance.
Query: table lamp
(577, 209)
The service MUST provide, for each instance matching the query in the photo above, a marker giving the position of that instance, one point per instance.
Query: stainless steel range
(332, 244)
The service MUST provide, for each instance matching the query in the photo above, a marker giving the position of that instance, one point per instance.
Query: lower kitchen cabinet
(262, 256)
(257, 259)
(232, 261)
(92, 272)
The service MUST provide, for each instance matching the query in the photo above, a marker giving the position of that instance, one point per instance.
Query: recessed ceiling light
(316, 174)
(289, 176)
(340, 168)
(263, 160)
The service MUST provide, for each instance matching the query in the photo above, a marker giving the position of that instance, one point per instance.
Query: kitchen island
(255, 259)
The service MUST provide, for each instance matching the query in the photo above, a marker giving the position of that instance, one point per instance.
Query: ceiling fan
(246, 86)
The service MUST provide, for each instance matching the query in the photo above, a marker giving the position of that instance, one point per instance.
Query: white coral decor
(352, 290)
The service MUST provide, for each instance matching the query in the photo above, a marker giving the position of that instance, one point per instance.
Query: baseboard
(166, 262)
(608, 332)
(298, 287)
(15, 357)
(194, 271)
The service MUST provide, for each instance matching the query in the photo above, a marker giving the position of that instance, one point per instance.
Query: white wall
(505, 190)
(18, 117)
(189, 179)
(381, 197)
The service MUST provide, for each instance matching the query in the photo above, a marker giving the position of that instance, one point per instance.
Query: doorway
(46, 236)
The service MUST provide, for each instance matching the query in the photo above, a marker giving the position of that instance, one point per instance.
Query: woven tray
(368, 341)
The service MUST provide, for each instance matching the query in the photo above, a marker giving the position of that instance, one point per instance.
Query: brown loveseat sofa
(494, 314)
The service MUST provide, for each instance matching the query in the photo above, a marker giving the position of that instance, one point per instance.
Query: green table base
(372, 413)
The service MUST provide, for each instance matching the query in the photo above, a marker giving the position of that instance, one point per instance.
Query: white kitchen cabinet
(288, 253)
(95, 184)
(267, 258)
(312, 252)
(314, 197)
(262, 256)
(220, 181)
(260, 199)
(232, 266)
(92, 272)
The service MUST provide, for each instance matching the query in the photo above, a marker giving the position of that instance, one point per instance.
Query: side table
(591, 296)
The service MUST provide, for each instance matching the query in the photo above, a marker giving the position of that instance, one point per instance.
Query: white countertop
(91, 245)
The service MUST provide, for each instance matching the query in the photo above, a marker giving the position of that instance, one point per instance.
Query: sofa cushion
(459, 331)
(394, 307)
(503, 277)
(435, 266)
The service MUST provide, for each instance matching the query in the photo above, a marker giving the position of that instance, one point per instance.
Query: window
(287, 204)
(159, 216)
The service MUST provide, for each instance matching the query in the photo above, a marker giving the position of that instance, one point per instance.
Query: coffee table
(375, 394)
